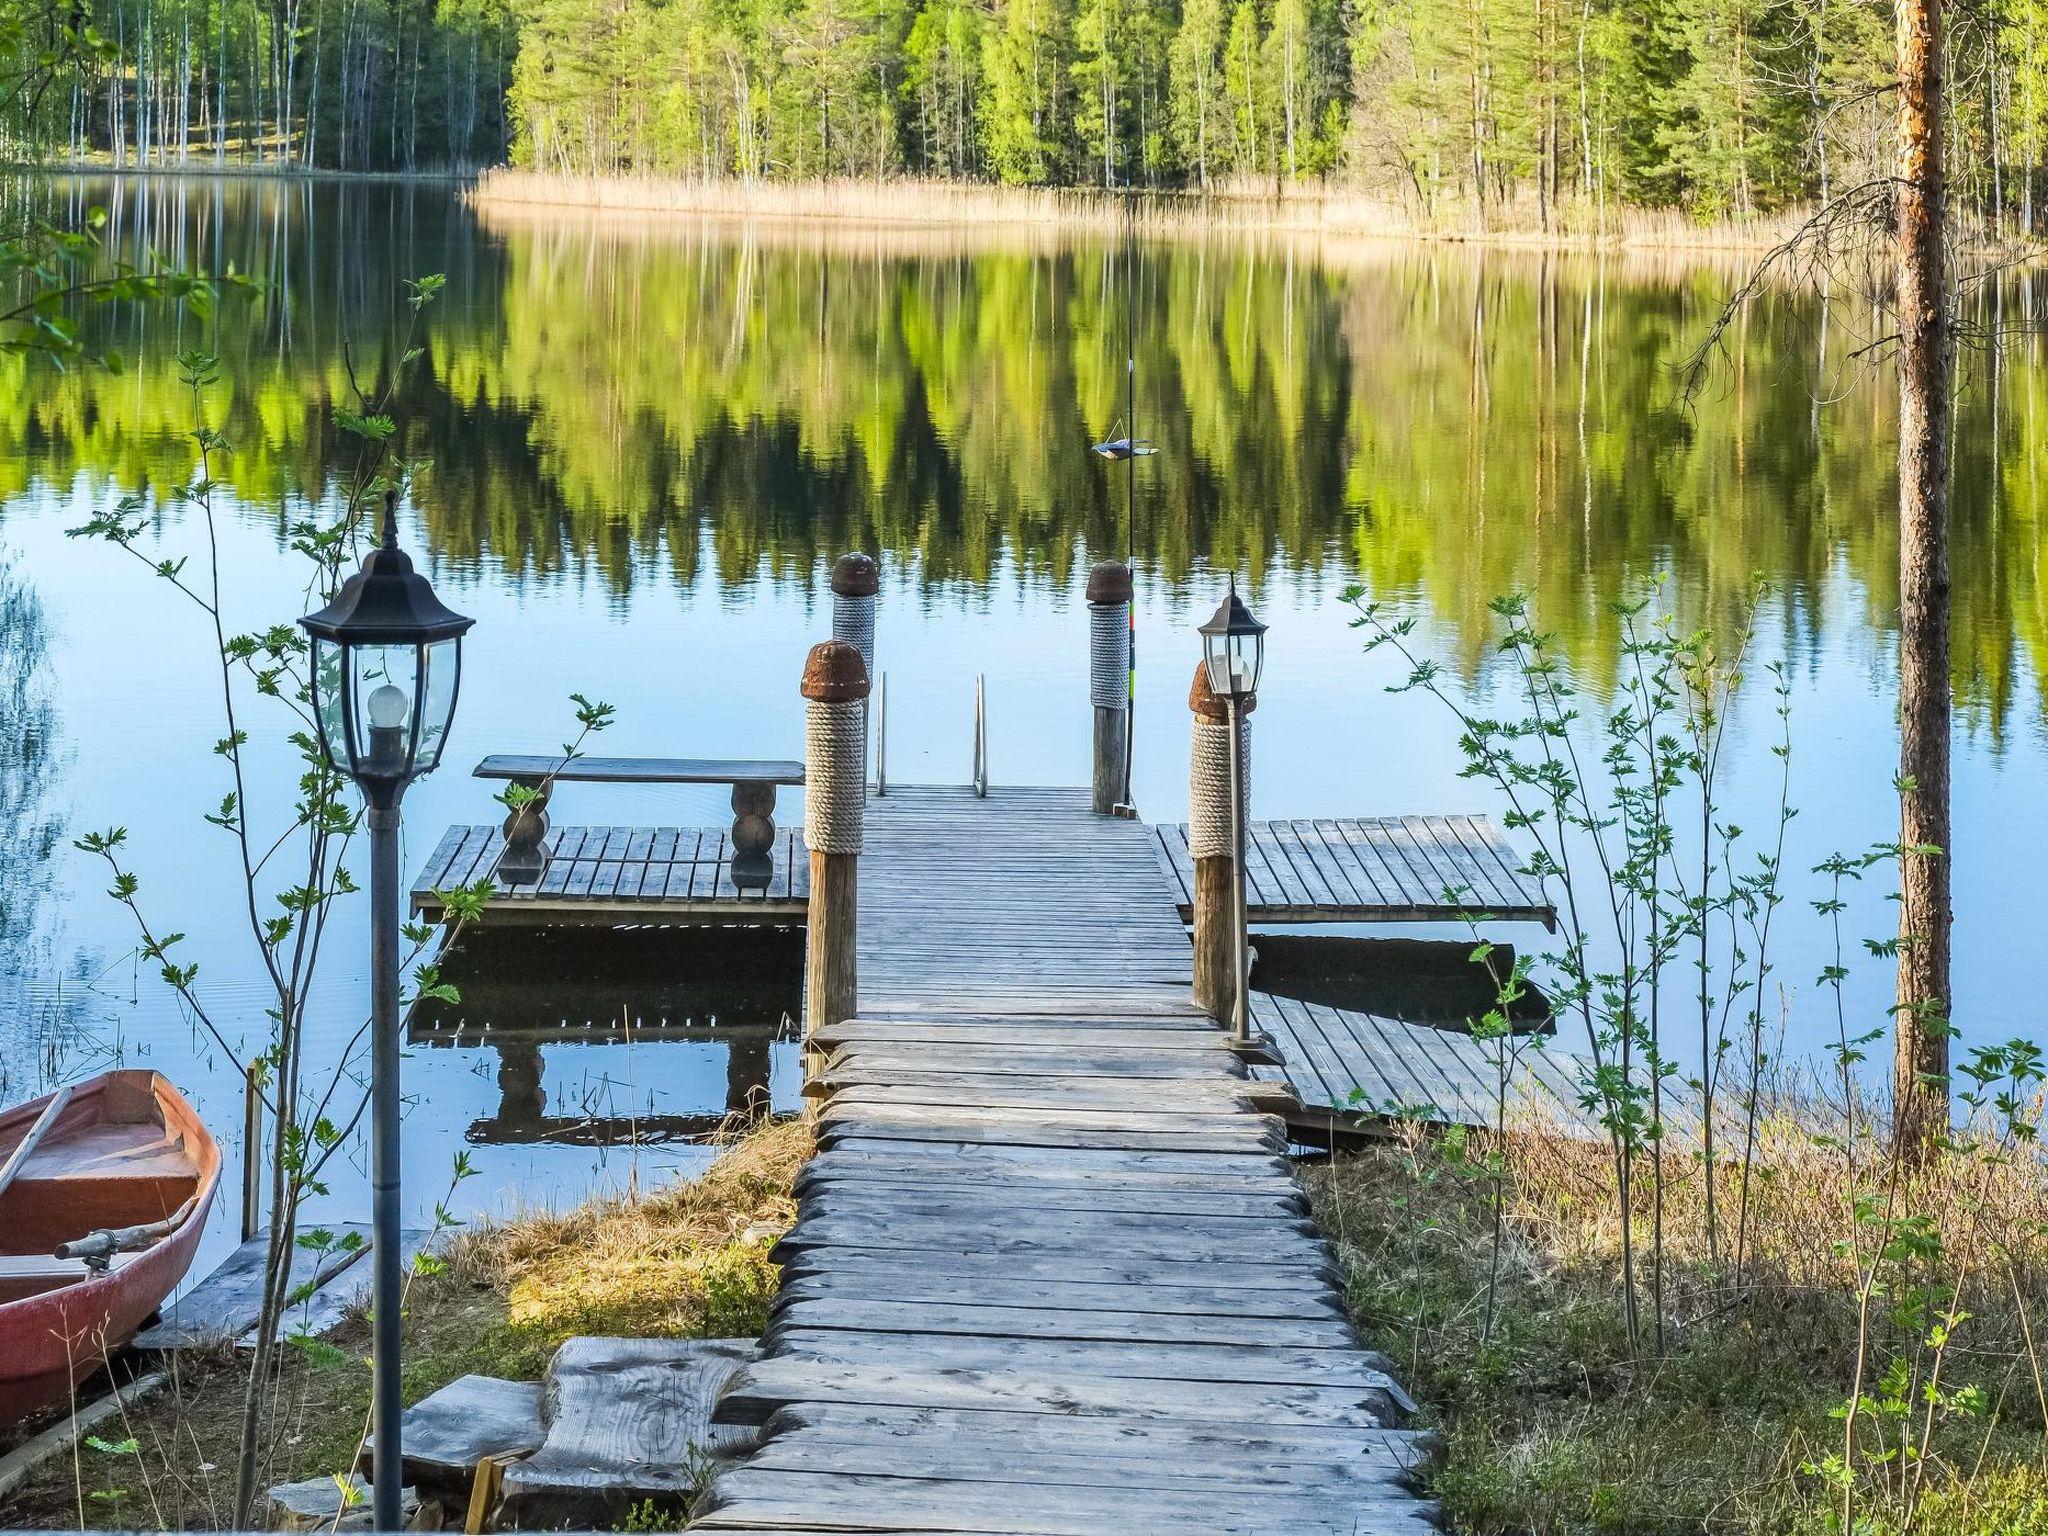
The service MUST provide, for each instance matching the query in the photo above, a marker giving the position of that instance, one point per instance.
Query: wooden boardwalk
(1051, 1273)
(1384, 869)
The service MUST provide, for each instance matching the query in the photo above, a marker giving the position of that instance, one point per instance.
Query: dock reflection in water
(624, 1037)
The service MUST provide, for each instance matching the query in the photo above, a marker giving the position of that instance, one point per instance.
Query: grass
(1551, 1425)
(686, 1261)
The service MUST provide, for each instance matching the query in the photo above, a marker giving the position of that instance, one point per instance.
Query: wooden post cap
(1204, 702)
(856, 575)
(834, 674)
(1110, 582)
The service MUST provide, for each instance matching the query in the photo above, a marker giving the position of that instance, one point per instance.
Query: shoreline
(195, 170)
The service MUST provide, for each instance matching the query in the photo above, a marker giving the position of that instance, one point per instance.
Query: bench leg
(525, 857)
(753, 835)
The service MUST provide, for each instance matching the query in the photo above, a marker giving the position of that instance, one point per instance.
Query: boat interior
(113, 1158)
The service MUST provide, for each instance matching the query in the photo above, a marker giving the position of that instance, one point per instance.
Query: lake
(649, 441)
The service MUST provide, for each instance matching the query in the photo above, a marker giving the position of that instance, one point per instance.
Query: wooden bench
(753, 780)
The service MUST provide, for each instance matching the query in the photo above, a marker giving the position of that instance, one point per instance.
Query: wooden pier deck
(1051, 1274)
(617, 876)
(1343, 1065)
(1382, 869)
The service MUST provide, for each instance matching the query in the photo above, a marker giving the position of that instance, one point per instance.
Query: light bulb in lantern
(388, 707)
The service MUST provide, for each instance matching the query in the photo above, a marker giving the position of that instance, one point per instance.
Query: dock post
(1109, 678)
(1212, 845)
(835, 690)
(855, 581)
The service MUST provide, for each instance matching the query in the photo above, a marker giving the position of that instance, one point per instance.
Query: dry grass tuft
(1554, 1426)
(690, 1260)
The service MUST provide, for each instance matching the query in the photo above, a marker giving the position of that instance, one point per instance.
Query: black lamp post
(1234, 651)
(386, 661)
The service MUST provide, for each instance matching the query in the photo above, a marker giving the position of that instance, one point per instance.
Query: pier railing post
(856, 580)
(835, 690)
(1212, 845)
(1109, 678)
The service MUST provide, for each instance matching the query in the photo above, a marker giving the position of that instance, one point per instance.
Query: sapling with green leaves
(1604, 835)
(291, 859)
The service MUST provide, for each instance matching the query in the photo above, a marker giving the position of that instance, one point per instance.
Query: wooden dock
(621, 876)
(1344, 1066)
(1385, 869)
(1051, 1274)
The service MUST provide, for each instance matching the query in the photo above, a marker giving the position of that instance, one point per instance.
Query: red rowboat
(104, 1190)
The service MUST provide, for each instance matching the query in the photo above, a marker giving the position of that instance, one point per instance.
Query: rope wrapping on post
(835, 774)
(1209, 825)
(853, 621)
(856, 580)
(835, 690)
(1109, 655)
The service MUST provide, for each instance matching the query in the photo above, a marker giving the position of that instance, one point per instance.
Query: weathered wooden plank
(882, 1196)
(908, 1284)
(974, 1265)
(229, 1301)
(640, 770)
(773, 1382)
(1012, 1231)
(627, 1421)
(983, 1320)
(1342, 1366)
(991, 1438)
(1086, 1453)
(446, 1433)
(747, 1497)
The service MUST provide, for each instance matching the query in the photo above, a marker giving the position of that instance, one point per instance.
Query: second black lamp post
(1234, 652)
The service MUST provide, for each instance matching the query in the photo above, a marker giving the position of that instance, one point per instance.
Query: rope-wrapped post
(1109, 677)
(1213, 846)
(835, 690)
(855, 582)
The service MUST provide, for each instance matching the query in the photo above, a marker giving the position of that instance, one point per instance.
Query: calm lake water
(649, 442)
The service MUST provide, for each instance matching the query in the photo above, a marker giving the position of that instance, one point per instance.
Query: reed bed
(1249, 208)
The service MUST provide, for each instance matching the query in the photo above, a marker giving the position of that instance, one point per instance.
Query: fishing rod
(1127, 450)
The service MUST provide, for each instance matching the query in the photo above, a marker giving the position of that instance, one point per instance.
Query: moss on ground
(690, 1261)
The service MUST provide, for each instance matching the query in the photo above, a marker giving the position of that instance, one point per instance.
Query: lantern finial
(389, 536)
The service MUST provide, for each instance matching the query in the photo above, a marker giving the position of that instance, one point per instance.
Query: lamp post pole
(1233, 656)
(386, 662)
(387, 1279)
(1240, 941)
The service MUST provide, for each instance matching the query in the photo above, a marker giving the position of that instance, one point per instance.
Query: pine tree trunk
(1925, 912)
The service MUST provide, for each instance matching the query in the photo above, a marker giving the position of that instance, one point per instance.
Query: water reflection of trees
(1449, 424)
(30, 756)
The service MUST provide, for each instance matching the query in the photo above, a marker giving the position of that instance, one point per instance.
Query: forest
(1719, 108)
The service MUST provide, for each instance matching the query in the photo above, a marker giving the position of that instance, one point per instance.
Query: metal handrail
(980, 736)
(882, 736)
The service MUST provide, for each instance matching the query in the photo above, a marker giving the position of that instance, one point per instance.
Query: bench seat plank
(642, 770)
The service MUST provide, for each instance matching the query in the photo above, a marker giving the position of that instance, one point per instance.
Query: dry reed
(1250, 208)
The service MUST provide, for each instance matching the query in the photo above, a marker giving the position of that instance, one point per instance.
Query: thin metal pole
(980, 736)
(386, 1282)
(882, 736)
(252, 1153)
(1240, 1004)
